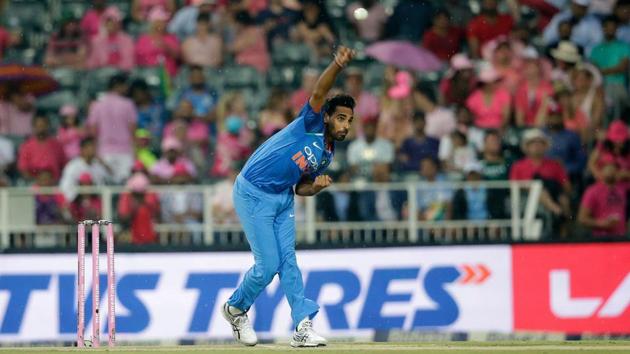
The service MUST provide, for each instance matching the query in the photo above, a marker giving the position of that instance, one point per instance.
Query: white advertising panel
(169, 296)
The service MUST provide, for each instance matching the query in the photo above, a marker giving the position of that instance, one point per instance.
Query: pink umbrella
(404, 54)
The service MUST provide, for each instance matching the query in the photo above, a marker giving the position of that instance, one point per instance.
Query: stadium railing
(522, 221)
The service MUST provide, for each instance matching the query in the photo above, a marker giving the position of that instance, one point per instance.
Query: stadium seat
(96, 80)
(152, 75)
(75, 7)
(67, 78)
(215, 78)
(53, 101)
(373, 75)
(291, 53)
(285, 77)
(255, 100)
(238, 77)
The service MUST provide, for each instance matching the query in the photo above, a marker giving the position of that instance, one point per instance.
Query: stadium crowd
(530, 90)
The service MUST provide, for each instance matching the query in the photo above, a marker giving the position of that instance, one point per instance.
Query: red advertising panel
(578, 288)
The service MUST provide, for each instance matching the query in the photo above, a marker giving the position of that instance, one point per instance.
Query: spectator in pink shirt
(140, 9)
(230, 148)
(67, 48)
(250, 43)
(277, 114)
(459, 81)
(367, 103)
(16, 112)
(69, 133)
(233, 104)
(163, 170)
(196, 129)
(491, 103)
(158, 46)
(91, 21)
(299, 97)
(443, 39)
(603, 207)
(112, 48)
(616, 146)
(504, 56)
(395, 122)
(41, 152)
(112, 121)
(532, 92)
(205, 48)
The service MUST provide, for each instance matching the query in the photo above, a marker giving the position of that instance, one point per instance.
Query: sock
(301, 322)
(234, 311)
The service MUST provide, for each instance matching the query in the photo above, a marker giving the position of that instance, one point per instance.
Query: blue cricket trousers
(269, 224)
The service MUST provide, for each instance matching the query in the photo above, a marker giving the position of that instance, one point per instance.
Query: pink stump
(111, 285)
(81, 284)
(96, 324)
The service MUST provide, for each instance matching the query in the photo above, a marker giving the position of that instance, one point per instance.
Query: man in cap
(553, 175)
(603, 207)
(86, 162)
(163, 170)
(184, 23)
(587, 31)
(367, 103)
(365, 154)
(565, 145)
(113, 48)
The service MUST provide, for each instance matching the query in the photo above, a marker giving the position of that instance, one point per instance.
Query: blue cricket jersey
(297, 150)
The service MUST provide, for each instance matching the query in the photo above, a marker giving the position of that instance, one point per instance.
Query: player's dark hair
(138, 84)
(419, 116)
(609, 146)
(244, 18)
(460, 135)
(86, 141)
(441, 12)
(610, 19)
(342, 100)
(192, 68)
(492, 132)
(203, 18)
(40, 115)
(116, 80)
(431, 159)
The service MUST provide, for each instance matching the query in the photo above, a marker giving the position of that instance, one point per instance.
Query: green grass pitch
(582, 347)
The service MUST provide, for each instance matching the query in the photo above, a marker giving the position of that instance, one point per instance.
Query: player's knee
(265, 271)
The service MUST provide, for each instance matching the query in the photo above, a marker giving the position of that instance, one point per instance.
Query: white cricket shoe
(241, 327)
(305, 336)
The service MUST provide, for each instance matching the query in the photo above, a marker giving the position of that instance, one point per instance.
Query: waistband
(249, 185)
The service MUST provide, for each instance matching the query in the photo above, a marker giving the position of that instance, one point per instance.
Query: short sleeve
(446, 148)
(471, 31)
(561, 173)
(132, 114)
(92, 118)
(505, 98)
(588, 200)
(388, 152)
(472, 102)
(313, 121)
(515, 172)
(353, 156)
